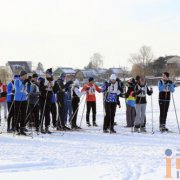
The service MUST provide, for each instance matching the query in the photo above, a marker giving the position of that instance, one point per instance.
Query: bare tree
(96, 61)
(143, 58)
(124, 72)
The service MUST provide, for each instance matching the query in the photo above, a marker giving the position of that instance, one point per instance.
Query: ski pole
(176, 113)
(26, 120)
(82, 113)
(152, 120)
(7, 117)
(42, 118)
(76, 109)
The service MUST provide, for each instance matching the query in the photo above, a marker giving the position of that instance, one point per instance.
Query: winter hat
(167, 74)
(62, 76)
(22, 73)
(35, 75)
(91, 79)
(49, 71)
(131, 82)
(76, 82)
(16, 76)
(40, 79)
(113, 77)
(137, 78)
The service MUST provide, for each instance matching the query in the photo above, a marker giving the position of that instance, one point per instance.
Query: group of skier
(34, 101)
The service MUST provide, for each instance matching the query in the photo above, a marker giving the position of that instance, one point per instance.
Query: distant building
(117, 71)
(173, 60)
(14, 67)
(102, 74)
(68, 71)
(83, 75)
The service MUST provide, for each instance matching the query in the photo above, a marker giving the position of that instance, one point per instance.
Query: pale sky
(68, 32)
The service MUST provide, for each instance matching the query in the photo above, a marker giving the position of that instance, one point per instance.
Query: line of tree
(145, 64)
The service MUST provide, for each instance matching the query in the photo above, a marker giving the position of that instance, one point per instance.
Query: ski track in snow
(123, 155)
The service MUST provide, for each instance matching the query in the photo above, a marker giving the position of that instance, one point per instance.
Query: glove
(70, 82)
(25, 81)
(138, 92)
(109, 84)
(151, 89)
(117, 79)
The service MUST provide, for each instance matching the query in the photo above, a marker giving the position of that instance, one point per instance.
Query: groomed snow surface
(90, 154)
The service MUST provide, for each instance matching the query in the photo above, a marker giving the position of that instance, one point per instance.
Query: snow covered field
(91, 154)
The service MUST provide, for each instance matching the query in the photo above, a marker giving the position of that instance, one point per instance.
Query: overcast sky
(68, 32)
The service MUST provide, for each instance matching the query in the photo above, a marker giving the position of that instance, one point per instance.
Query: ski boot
(88, 124)
(142, 129)
(136, 129)
(112, 131)
(105, 131)
(94, 124)
(47, 130)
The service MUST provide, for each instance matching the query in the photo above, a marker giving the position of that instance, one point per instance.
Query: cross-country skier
(91, 88)
(20, 102)
(68, 102)
(75, 103)
(59, 90)
(166, 87)
(46, 90)
(141, 104)
(131, 102)
(10, 104)
(34, 101)
(112, 90)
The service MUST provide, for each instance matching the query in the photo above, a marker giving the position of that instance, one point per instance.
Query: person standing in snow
(59, 90)
(10, 104)
(112, 90)
(46, 90)
(91, 88)
(131, 102)
(76, 95)
(34, 94)
(20, 103)
(166, 87)
(68, 101)
(141, 104)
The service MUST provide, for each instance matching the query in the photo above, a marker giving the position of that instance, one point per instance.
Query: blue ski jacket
(20, 90)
